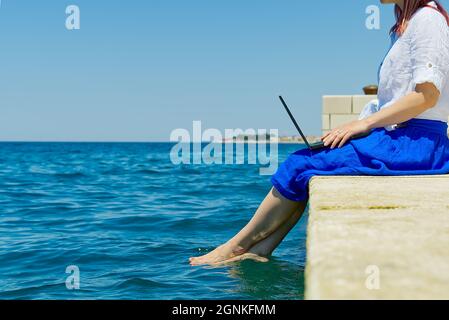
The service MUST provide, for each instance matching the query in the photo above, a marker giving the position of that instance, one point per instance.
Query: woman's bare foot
(222, 253)
(269, 225)
(242, 257)
(258, 252)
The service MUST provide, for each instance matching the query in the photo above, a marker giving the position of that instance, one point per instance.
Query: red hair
(410, 8)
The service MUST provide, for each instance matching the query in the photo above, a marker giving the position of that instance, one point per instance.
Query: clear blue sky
(138, 69)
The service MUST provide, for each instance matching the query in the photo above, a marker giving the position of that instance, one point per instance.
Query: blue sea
(129, 219)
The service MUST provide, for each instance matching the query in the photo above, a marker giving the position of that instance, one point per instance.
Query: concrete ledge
(338, 110)
(337, 104)
(341, 119)
(359, 102)
(378, 237)
(326, 122)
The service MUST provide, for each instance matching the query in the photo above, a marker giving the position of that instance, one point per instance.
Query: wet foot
(245, 256)
(222, 253)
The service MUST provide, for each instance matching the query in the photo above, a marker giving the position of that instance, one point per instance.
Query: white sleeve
(429, 48)
(370, 108)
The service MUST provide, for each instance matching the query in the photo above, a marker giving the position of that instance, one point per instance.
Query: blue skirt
(421, 147)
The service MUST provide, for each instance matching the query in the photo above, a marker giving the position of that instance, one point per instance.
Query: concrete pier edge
(378, 237)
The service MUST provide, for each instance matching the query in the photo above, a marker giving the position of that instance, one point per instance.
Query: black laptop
(317, 145)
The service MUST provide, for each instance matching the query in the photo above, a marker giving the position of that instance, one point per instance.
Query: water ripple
(129, 219)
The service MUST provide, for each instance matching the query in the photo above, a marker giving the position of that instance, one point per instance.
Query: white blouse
(420, 55)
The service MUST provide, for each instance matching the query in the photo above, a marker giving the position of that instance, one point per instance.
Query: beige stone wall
(338, 110)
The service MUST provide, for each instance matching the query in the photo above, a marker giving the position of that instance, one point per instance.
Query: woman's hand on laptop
(340, 135)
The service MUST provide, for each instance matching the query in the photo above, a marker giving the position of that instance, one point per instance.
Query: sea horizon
(129, 219)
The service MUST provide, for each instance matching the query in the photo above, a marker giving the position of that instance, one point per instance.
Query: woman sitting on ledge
(413, 92)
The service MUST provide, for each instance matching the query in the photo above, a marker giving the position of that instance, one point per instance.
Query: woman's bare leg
(264, 248)
(273, 212)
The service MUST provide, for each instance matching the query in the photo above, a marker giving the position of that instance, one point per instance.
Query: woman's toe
(195, 262)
